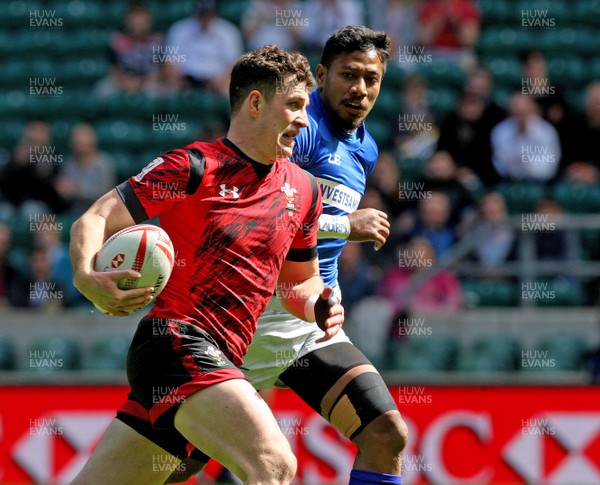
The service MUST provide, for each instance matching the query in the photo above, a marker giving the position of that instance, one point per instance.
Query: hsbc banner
(458, 435)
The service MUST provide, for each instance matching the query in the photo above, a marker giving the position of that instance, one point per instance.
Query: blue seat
(521, 197)
(107, 354)
(7, 354)
(490, 293)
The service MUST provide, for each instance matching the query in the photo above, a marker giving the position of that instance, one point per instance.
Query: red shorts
(168, 361)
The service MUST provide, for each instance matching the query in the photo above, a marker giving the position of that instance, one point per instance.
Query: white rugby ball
(144, 248)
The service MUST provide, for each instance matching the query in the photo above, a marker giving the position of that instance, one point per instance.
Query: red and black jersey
(233, 222)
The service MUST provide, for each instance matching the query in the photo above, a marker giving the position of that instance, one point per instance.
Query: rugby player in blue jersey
(334, 377)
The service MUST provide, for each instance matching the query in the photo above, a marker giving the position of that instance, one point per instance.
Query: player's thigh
(123, 456)
(342, 385)
(231, 423)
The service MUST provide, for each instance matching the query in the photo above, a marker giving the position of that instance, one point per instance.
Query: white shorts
(281, 339)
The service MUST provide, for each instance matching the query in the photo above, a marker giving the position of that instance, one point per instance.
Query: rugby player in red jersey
(222, 204)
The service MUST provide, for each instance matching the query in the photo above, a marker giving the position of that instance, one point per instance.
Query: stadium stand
(73, 55)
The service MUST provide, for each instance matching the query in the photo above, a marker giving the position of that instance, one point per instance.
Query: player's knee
(186, 469)
(387, 435)
(284, 467)
(287, 468)
(277, 466)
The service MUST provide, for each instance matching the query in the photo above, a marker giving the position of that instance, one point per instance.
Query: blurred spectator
(525, 146)
(39, 287)
(208, 46)
(498, 242)
(553, 106)
(433, 222)
(11, 278)
(356, 278)
(480, 83)
(166, 81)
(385, 178)
(325, 17)
(277, 22)
(56, 253)
(450, 29)
(586, 167)
(466, 132)
(440, 175)
(88, 173)
(418, 133)
(465, 136)
(132, 54)
(411, 293)
(28, 179)
(397, 18)
(381, 258)
(553, 244)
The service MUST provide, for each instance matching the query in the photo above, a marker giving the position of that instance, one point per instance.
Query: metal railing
(526, 268)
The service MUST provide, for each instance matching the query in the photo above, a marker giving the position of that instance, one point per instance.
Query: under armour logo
(233, 192)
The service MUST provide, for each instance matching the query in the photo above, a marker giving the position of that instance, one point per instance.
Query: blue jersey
(341, 163)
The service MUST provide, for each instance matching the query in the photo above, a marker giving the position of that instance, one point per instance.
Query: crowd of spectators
(466, 154)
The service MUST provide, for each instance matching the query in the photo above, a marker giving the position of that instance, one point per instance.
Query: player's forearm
(299, 298)
(87, 237)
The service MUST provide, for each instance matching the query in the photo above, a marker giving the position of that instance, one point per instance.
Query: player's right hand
(102, 289)
(329, 314)
(369, 225)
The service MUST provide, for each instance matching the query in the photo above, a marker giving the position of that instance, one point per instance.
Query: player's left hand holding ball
(132, 267)
(329, 314)
(102, 289)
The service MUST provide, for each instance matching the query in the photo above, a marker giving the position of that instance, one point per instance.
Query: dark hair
(355, 38)
(526, 55)
(136, 6)
(264, 69)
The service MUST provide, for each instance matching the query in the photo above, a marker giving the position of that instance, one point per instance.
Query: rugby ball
(144, 248)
